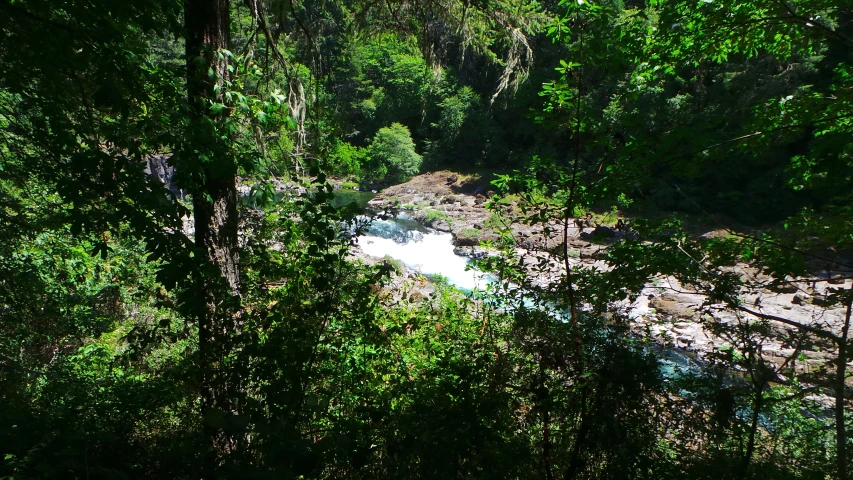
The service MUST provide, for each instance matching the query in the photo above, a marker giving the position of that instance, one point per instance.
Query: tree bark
(576, 461)
(840, 374)
(757, 405)
(213, 186)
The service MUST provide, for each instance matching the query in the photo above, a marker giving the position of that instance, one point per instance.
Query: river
(430, 252)
(425, 251)
(421, 249)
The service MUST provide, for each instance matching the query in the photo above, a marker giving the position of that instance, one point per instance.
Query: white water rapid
(423, 250)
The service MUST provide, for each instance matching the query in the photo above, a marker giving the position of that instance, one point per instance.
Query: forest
(426, 239)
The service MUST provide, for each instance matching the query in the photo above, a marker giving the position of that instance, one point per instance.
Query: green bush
(346, 160)
(391, 155)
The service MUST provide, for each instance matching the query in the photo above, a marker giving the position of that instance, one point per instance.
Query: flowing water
(425, 251)
(431, 253)
(421, 249)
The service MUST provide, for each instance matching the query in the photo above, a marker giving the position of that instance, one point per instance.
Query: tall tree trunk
(840, 374)
(757, 405)
(577, 462)
(212, 163)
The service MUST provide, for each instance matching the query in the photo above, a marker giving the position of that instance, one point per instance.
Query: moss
(398, 266)
(431, 215)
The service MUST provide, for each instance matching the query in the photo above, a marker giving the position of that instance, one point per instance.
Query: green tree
(392, 156)
(81, 124)
(661, 141)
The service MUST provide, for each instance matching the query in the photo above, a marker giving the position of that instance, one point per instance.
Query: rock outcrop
(158, 167)
(445, 201)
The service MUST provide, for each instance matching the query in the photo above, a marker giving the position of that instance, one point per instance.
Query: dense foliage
(185, 329)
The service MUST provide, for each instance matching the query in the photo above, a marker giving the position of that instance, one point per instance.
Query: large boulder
(603, 232)
(670, 306)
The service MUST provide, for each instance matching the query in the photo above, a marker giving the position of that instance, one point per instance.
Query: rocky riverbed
(667, 311)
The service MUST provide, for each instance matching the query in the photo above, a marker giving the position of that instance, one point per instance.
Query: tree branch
(766, 316)
(810, 22)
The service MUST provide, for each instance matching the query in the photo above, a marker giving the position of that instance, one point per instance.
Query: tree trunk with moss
(213, 183)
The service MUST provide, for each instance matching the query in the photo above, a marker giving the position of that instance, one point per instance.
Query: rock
(451, 179)
(603, 232)
(836, 279)
(440, 225)
(822, 301)
(417, 297)
(669, 306)
(800, 299)
(474, 252)
(532, 244)
(466, 241)
(783, 287)
(158, 167)
(479, 199)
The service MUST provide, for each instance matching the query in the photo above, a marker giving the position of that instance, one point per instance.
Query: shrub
(346, 160)
(391, 155)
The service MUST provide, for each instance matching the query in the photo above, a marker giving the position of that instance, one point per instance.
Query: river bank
(665, 310)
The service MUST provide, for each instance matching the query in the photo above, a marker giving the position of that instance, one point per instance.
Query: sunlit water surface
(431, 253)
(425, 251)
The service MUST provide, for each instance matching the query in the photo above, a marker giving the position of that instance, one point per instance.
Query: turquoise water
(344, 196)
